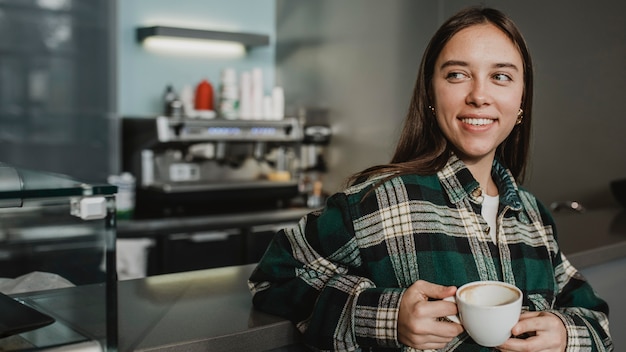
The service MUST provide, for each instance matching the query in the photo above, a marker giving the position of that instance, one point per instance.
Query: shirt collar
(459, 183)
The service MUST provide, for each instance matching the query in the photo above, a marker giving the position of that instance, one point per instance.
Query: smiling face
(478, 84)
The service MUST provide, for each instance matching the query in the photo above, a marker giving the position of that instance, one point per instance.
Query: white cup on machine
(488, 310)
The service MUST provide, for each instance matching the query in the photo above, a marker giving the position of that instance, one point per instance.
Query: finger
(447, 329)
(525, 325)
(531, 323)
(428, 342)
(527, 315)
(425, 321)
(429, 346)
(529, 344)
(545, 332)
(439, 309)
(431, 290)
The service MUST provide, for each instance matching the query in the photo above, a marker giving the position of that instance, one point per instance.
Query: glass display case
(57, 256)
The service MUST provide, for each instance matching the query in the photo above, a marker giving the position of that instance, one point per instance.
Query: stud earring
(520, 117)
(431, 109)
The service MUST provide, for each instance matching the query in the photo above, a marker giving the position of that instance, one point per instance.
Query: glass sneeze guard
(57, 255)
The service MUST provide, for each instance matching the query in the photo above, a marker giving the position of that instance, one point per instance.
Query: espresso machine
(189, 166)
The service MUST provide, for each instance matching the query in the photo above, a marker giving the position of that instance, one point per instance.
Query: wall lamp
(200, 41)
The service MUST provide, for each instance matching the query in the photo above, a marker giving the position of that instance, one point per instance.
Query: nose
(478, 94)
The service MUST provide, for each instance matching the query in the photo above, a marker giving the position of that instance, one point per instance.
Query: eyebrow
(465, 64)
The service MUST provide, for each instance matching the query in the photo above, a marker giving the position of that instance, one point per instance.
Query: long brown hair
(422, 147)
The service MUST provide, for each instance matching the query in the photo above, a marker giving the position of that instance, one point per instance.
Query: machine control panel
(189, 130)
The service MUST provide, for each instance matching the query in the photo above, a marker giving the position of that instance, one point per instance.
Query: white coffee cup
(488, 310)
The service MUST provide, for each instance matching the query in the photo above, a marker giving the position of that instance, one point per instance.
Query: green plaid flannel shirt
(340, 274)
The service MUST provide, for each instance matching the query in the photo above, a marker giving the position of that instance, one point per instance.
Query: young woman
(370, 270)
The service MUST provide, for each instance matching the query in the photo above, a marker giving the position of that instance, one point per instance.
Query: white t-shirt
(489, 212)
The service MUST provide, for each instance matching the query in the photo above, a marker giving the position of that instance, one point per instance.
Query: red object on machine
(204, 96)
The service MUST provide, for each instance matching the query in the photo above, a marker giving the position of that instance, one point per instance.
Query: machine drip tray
(193, 198)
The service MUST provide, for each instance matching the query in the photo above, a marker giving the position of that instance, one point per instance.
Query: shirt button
(477, 192)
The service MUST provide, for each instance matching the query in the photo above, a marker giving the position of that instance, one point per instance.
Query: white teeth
(478, 122)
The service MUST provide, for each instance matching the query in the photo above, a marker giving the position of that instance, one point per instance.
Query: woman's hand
(418, 323)
(546, 330)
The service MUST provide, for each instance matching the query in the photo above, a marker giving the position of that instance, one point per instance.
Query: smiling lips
(478, 121)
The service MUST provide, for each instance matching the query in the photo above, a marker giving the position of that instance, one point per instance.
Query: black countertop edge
(166, 226)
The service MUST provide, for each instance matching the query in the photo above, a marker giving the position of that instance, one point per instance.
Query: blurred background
(70, 69)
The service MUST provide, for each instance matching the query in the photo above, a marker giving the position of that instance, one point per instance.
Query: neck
(481, 171)
(491, 188)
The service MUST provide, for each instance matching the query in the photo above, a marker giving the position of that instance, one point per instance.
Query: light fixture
(198, 41)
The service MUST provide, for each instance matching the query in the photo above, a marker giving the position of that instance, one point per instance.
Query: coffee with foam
(489, 295)
(488, 310)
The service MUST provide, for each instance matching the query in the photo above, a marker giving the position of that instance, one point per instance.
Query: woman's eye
(455, 75)
(502, 77)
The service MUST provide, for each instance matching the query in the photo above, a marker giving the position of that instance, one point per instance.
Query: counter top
(592, 237)
(207, 310)
(211, 310)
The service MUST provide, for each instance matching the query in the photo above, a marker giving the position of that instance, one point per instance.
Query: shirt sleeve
(584, 314)
(312, 274)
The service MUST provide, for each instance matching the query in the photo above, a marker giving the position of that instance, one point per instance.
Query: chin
(475, 155)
